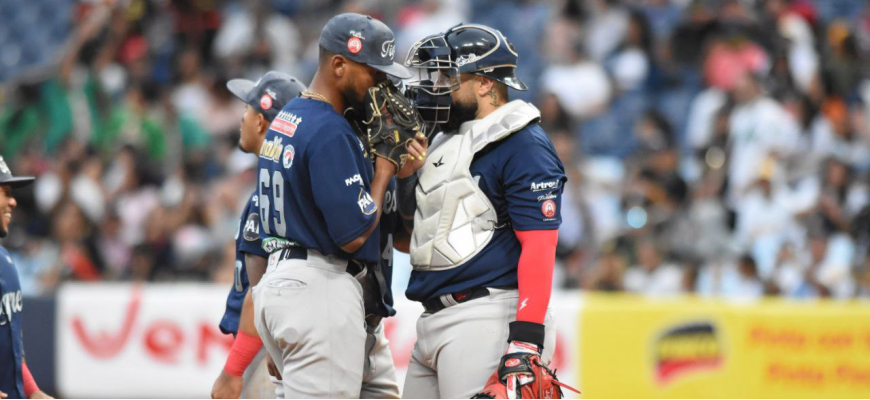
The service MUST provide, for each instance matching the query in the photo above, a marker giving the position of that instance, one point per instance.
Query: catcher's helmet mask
(438, 61)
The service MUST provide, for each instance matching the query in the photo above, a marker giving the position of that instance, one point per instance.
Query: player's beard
(459, 114)
(354, 100)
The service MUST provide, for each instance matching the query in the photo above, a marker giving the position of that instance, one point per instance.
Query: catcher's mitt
(505, 384)
(391, 122)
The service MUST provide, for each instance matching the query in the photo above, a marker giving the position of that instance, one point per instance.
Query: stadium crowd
(715, 147)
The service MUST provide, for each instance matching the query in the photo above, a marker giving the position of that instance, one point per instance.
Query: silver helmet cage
(436, 76)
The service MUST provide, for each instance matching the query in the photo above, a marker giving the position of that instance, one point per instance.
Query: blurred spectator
(732, 57)
(581, 85)
(656, 178)
(652, 275)
(749, 285)
(608, 22)
(608, 273)
(267, 39)
(427, 17)
(630, 65)
(841, 67)
(761, 133)
(763, 223)
(823, 270)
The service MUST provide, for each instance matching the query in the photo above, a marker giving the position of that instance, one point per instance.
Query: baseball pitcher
(320, 201)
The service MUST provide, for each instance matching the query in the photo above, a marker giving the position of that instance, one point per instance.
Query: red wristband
(30, 386)
(244, 349)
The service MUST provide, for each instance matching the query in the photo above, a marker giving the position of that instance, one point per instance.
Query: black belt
(354, 268)
(443, 301)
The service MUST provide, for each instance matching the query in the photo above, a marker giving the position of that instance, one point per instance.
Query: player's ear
(482, 85)
(262, 124)
(339, 66)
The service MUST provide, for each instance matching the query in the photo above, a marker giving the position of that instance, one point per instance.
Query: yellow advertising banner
(694, 348)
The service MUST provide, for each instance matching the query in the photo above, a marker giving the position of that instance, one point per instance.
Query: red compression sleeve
(29, 383)
(244, 349)
(535, 273)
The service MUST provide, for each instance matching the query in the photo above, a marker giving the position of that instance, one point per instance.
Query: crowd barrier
(125, 340)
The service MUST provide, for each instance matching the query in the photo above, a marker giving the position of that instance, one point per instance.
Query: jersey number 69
(277, 183)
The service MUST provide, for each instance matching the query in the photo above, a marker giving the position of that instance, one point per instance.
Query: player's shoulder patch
(286, 123)
(252, 227)
(366, 203)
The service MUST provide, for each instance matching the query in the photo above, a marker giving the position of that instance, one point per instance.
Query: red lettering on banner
(795, 373)
(163, 340)
(105, 344)
(836, 340)
(781, 337)
(854, 374)
(208, 337)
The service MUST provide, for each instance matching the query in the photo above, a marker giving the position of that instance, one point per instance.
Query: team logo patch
(289, 153)
(511, 362)
(354, 45)
(286, 123)
(388, 49)
(687, 348)
(365, 202)
(265, 102)
(252, 227)
(470, 58)
(548, 208)
(272, 149)
(3, 168)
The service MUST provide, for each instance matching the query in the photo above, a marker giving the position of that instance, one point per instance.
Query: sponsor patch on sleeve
(548, 208)
(286, 123)
(289, 154)
(252, 227)
(366, 203)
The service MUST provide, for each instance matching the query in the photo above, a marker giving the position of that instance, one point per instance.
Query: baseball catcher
(484, 214)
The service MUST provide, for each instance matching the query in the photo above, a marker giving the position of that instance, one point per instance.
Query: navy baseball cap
(6, 177)
(363, 39)
(269, 94)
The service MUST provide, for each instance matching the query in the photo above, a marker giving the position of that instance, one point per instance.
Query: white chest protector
(454, 219)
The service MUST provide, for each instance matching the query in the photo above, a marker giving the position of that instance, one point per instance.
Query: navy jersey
(390, 224)
(315, 181)
(11, 343)
(523, 178)
(247, 241)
